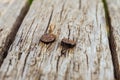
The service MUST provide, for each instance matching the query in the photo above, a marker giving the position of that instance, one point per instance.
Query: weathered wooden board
(90, 59)
(4, 5)
(10, 22)
(114, 13)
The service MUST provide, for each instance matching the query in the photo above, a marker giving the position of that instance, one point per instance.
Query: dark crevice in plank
(57, 66)
(11, 36)
(69, 31)
(112, 43)
(61, 12)
(48, 25)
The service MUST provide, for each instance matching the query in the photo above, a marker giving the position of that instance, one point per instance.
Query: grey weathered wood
(30, 59)
(4, 5)
(114, 13)
(9, 23)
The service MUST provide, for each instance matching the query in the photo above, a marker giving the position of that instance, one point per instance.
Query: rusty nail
(68, 43)
(48, 38)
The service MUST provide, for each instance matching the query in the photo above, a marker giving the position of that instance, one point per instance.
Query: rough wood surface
(4, 5)
(78, 20)
(9, 23)
(114, 13)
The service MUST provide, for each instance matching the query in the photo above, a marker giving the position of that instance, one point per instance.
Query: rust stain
(51, 28)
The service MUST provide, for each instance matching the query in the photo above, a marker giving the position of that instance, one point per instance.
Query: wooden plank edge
(112, 41)
(6, 41)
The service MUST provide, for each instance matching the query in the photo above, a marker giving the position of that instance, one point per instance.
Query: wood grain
(9, 24)
(78, 20)
(114, 14)
(4, 4)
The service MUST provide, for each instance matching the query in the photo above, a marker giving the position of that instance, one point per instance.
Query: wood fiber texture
(4, 5)
(78, 20)
(9, 24)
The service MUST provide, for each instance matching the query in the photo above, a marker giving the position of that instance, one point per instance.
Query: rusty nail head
(68, 43)
(48, 38)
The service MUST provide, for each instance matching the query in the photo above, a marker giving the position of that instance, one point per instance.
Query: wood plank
(78, 20)
(114, 14)
(9, 24)
(4, 5)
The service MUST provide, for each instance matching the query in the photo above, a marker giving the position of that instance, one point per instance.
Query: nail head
(68, 43)
(48, 38)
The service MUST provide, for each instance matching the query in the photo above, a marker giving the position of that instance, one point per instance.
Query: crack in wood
(87, 60)
(19, 55)
(25, 63)
(61, 12)
(25, 36)
(68, 31)
(63, 51)
(48, 25)
(57, 63)
(29, 47)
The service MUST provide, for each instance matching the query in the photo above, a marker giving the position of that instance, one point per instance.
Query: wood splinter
(48, 38)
